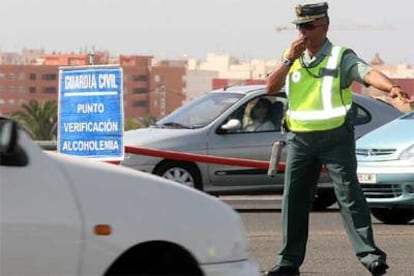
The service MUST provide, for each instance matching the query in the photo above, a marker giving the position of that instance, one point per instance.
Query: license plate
(367, 178)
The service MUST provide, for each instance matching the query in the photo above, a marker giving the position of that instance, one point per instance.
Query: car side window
(261, 114)
(360, 115)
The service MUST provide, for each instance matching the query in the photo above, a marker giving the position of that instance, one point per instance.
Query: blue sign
(91, 112)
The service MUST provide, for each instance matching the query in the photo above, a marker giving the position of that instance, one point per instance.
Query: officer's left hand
(397, 92)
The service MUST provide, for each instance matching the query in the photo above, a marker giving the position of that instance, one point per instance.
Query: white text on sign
(107, 126)
(90, 81)
(87, 108)
(91, 145)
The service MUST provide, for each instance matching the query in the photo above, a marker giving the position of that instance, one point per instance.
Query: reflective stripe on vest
(331, 113)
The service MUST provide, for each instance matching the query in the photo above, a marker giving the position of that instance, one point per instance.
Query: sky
(173, 29)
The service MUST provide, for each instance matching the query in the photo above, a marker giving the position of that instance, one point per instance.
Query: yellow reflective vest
(317, 103)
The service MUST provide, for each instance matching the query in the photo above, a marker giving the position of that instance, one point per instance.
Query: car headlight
(408, 154)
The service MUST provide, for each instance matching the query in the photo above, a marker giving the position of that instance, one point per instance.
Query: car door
(255, 145)
(40, 221)
(369, 114)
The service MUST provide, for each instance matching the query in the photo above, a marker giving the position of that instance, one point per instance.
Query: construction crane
(283, 28)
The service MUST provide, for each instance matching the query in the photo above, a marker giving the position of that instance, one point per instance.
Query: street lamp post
(91, 57)
(163, 100)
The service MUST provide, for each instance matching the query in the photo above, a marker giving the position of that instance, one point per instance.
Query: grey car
(216, 124)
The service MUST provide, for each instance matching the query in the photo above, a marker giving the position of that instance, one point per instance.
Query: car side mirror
(8, 136)
(11, 154)
(232, 124)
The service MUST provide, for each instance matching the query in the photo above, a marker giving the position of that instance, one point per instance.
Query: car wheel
(323, 199)
(393, 215)
(181, 172)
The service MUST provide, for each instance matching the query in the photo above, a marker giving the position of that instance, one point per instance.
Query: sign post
(91, 117)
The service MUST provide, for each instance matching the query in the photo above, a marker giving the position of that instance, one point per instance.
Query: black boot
(378, 268)
(282, 271)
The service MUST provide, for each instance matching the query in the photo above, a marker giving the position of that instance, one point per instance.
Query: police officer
(317, 76)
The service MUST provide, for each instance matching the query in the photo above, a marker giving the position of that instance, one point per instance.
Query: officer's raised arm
(276, 79)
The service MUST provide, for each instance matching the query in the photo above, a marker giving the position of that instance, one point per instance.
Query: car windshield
(199, 112)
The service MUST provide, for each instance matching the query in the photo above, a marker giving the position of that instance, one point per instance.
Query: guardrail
(192, 157)
(183, 156)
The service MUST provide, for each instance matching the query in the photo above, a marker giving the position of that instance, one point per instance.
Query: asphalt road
(329, 251)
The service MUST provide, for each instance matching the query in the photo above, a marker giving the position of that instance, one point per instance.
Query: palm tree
(147, 120)
(39, 120)
(131, 123)
(134, 123)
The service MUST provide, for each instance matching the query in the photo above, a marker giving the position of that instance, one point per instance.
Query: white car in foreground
(62, 215)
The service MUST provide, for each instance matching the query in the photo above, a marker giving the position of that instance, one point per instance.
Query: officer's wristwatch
(287, 62)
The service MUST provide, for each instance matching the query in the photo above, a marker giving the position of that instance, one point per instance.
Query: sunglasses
(308, 26)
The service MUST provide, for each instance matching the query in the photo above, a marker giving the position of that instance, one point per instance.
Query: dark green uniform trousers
(306, 151)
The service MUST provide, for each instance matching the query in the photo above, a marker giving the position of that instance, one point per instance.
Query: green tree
(147, 120)
(134, 123)
(40, 121)
(131, 123)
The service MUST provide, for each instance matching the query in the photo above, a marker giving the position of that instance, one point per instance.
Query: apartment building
(22, 83)
(28, 56)
(151, 87)
(219, 70)
(137, 85)
(168, 86)
(148, 90)
(198, 82)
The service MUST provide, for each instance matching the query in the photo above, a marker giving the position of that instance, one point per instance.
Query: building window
(140, 104)
(139, 78)
(12, 76)
(32, 89)
(49, 77)
(32, 76)
(74, 61)
(49, 90)
(140, 90)
(22, 90)
(12, 89)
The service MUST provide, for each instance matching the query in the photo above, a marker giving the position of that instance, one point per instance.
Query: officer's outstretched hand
(398, 92)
